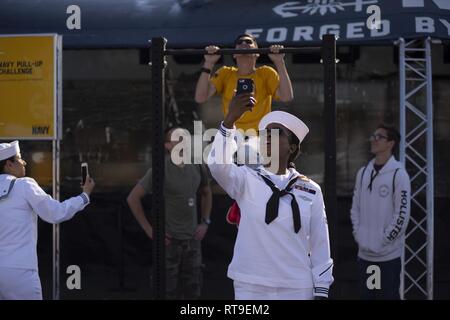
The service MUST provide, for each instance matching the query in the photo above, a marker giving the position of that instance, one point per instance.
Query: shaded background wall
(106, 121)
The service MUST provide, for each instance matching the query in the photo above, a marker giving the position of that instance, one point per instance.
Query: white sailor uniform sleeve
(322, 264)
(355, 210)
(47, 208)
(402, 207)
(220, 162)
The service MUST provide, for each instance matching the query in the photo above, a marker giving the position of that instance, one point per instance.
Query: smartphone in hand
(84, 172)
(245, 86)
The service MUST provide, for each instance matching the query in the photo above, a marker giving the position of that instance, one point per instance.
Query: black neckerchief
(11, 185)
(274, 201)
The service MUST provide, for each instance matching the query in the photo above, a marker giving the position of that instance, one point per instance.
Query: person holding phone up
(267, 84)
(22, 200)
(282, 249)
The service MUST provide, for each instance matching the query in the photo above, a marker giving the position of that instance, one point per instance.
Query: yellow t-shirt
(266, 81)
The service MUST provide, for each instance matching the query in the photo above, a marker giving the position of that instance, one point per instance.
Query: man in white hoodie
(21, 202)
(380, 213)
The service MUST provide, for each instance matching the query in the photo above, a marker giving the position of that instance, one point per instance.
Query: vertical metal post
(402, 99)
(56, 167)
(121, 249)
(430, 171)
(416, 121)
(329, 82)
(158, 219)
(402, 141)
(56, 249)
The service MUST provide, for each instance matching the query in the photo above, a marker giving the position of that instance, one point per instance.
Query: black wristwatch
(206, 221)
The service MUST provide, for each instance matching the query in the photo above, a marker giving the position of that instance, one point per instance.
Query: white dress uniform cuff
(321, 292)
(85, 198)
(225, 131)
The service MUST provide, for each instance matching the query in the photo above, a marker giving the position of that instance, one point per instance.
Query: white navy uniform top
(22, 200)
(273, 254)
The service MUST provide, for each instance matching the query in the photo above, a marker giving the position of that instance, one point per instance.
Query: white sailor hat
(8, 150)
(294, 124)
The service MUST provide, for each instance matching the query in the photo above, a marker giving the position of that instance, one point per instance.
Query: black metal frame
(158, 217)
(329, 92)
(158, 51)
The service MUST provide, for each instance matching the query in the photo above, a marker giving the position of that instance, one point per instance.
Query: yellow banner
(28, 87)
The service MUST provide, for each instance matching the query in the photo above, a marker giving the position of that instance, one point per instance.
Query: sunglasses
(247, 41)
(377, 137)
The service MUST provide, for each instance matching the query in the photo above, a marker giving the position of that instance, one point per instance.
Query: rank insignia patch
(304, 188)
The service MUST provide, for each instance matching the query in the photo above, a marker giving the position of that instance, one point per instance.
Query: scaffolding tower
(416, 153)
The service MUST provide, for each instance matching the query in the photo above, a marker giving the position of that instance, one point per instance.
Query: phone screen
(244, 86)
(84, 172)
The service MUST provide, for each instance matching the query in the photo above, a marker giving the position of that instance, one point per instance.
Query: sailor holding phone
(22, 200)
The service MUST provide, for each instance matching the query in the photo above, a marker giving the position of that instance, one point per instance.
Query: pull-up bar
(158, 52)
(311, 50)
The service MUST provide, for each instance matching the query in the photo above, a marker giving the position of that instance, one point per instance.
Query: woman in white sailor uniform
(21, 202)
(282, 247)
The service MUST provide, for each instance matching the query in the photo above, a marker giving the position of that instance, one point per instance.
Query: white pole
(430, 173)
(402, 148)
(56, 226)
